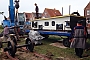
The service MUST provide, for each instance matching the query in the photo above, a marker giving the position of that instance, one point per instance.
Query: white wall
(60, 20)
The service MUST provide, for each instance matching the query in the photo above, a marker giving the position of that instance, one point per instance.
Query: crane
(12, 11)
(12, 16)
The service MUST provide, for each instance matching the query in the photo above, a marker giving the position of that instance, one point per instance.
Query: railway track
(25, 50)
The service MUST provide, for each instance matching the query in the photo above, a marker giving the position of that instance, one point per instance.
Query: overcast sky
(28, 6)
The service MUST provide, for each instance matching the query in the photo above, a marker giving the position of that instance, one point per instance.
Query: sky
(28, 6)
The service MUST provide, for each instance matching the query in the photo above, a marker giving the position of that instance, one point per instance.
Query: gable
(27, 15)
(88, 6)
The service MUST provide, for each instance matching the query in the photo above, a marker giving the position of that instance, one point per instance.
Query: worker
(79, 41)
(37, 11)
(6, 32)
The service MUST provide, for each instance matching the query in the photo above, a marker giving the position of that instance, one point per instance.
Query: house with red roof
(51, 13)
(27, 15)
(87, 11)
(87, 14)
(32, 16)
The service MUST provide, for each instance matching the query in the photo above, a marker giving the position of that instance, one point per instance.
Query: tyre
(30, 47)
(66, 42)
(12, 49)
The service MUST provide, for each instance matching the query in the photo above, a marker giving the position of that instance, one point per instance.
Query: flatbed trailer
(58, 33)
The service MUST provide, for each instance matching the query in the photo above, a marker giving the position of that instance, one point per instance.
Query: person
(6, 32)
(79, 39)
(37, 11)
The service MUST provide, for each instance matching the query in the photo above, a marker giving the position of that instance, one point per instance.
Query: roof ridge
(87, 5)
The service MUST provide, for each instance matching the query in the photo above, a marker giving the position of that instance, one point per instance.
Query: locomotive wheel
(30, 47)
(14, 40)
(12, 48)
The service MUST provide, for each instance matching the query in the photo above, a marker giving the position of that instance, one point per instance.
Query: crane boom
(12, 12)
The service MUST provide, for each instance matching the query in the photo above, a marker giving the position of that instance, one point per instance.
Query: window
(88, 20)
(67, 23)
(35, 25)
(40, 27)
(59, 26)
(32, 24)
(88, 12)
(46, 23)
(53, 23)
(21, 17)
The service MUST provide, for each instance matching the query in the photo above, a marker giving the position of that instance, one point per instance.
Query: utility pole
(62, 11)
(69, 9)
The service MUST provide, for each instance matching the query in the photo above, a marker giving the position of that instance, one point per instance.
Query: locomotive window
(53, 23)
(67, 23)
(32, 24)
(35, 24)
(46, 23)
(59, 26)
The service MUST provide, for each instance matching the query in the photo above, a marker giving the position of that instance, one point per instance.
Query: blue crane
(13, 20)
(12, 13)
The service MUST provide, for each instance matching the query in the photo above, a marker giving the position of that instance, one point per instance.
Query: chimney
(77, 10)
(54, 9)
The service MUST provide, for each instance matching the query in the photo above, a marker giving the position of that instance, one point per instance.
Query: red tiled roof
(53, 12)
(58, 13)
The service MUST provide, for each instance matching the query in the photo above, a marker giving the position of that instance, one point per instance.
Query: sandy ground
(57, 44)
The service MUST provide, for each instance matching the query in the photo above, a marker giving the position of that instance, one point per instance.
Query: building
(27, 16)
(32, 16)
(87, 14)
(51, 13)
(87, 11)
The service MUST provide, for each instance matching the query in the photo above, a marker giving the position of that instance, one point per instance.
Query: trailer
(60, 25)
